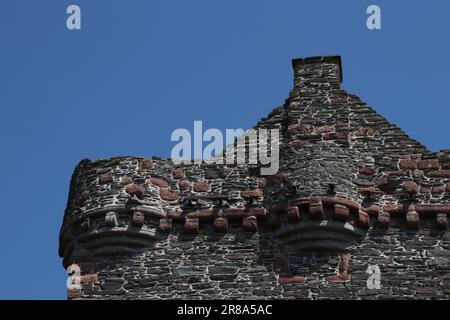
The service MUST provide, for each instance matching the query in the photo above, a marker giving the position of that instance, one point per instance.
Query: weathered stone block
(428, 164)
(363, 220)
(372, 210)
(175, 215)
(138, 219)
(428, 209)
(338, 277)
(165, 225)
(223, 277)
(418, 174)
(217, 172)
(168, 195)
(221, 225)
(408, 164)
(178, 174)
(105, 178)
(384, 220)
(316, 211)
(300, 129)
(234, 213)
(341, 213)
(222, 270)
(257, 193)
(367, 171)
(410, 187)
(285, 279)
(201, 187)
(439, 174)
(73, 293)
(89, 278)
(126, 180)
(250, 224)
(337, 200)
(135, 190)
(145, 164)
(336, 136)
(324, 129)
(365, 132)
(203, 215)
(191, 225)
(159, 182)
(184, 184)
(438, 189)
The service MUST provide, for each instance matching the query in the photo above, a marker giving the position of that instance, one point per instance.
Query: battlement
(349, 183)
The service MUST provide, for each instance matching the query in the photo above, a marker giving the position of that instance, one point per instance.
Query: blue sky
(139, 69)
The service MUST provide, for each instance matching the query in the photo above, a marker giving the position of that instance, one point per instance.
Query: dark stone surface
(350, 184)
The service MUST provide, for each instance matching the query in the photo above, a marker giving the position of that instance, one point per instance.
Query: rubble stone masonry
(352, 191)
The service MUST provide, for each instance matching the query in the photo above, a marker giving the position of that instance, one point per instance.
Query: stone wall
(352, 191)
(242, 265)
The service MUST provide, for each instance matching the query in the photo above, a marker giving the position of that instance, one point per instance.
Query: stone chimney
(317, 72)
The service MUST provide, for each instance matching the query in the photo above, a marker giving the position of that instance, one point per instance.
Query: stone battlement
(353, 190)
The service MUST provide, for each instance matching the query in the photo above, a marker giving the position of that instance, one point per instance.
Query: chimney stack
(318, 72)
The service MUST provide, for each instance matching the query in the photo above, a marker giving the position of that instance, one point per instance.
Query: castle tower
(353, 193)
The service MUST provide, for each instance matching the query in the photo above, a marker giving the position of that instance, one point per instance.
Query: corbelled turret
(348, 180)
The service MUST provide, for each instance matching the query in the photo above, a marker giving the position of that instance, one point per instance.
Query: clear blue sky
(139, 69)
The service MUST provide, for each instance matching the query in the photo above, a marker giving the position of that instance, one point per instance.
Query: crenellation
(353, 191)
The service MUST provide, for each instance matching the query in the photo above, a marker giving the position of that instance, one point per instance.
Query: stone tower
(357, 210)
